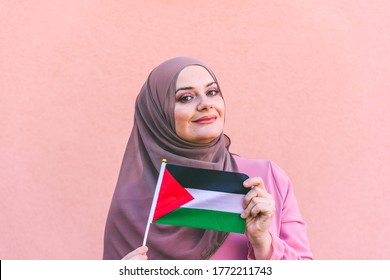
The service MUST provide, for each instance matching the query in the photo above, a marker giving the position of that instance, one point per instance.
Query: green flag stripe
(205, 219)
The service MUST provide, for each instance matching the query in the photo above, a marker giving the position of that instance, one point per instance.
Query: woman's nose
(204, 103)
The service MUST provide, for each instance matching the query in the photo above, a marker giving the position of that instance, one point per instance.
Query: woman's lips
(206, 119)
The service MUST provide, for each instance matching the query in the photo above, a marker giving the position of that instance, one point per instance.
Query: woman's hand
(259, 208)
(137, 254)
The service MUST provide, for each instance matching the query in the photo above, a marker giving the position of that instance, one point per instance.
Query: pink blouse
(288, 230)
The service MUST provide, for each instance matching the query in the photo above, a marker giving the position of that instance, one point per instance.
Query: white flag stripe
(219, 201)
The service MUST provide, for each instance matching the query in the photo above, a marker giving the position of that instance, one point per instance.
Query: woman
(179, 115)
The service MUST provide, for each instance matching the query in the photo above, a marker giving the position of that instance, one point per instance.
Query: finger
(132, 256)
(254, 192)
(253, 182)
(140, 250)
(140, 257)
(258, 205)
(136, 253)
(265, 208)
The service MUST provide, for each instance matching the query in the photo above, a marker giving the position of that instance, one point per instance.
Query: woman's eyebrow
(184, 88)
(189, 88)
(209, 84)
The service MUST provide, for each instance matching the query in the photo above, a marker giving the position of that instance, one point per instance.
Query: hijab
(153, 138)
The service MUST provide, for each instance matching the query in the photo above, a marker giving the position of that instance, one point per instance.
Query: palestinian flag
(200, 198)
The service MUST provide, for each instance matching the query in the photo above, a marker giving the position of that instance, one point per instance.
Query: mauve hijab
(152, 138)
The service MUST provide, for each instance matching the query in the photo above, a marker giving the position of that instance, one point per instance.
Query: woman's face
(199, 107)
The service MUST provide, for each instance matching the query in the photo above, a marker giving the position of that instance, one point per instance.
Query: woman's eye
(212, 92)
(185, 98)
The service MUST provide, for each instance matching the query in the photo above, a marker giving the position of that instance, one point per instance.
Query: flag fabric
(200, 198)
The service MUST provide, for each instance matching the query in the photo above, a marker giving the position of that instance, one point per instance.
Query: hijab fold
(152, 138)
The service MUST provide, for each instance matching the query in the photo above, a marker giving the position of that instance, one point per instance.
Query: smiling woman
(180, 116)
(199, 108)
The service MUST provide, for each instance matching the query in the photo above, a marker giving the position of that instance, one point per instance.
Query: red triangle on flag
(172, 195)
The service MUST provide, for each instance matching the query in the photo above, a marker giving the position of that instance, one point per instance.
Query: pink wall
(306, 83)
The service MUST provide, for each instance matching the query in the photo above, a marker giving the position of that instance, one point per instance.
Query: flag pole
(154, 202)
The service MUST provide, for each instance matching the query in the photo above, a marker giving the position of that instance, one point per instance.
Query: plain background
(306, 83)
